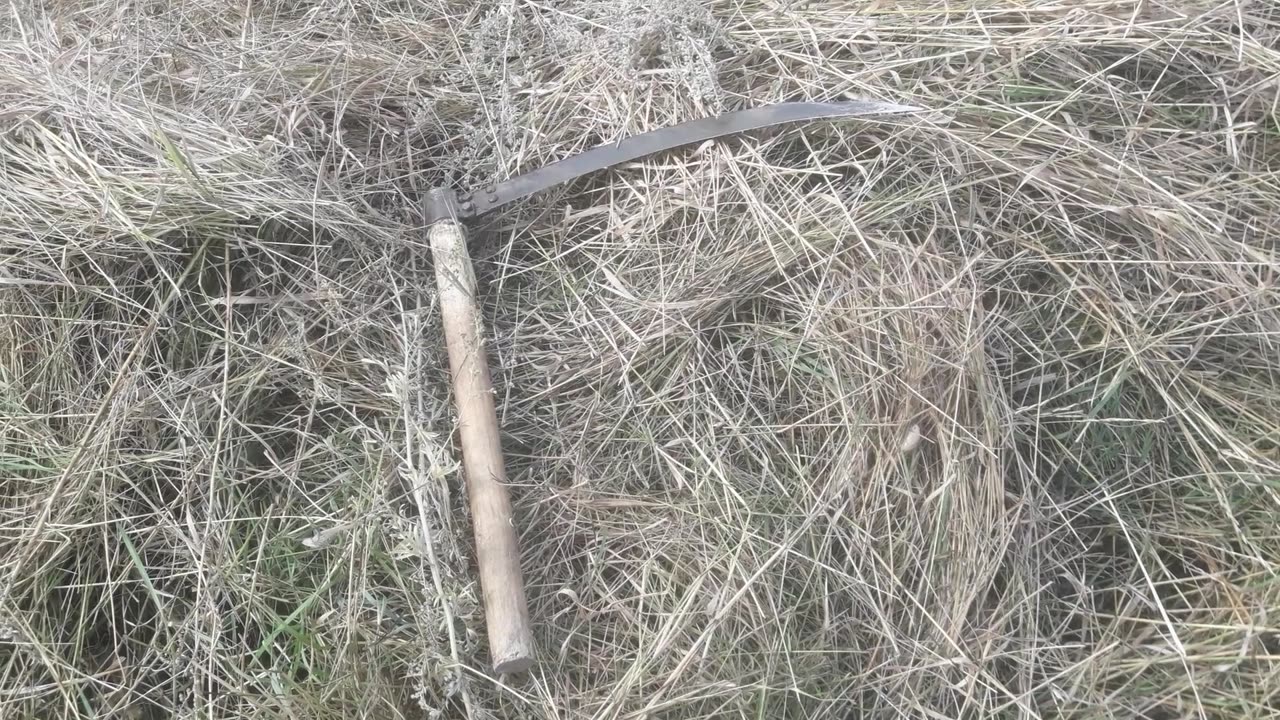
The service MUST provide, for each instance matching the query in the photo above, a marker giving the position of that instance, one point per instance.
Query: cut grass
(966, 414)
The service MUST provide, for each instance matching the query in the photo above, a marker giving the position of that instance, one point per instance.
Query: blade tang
(667, 138)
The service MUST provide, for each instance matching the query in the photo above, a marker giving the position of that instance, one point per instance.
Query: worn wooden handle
(506, 611)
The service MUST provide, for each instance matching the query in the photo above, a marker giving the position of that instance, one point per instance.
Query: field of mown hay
(968, 413)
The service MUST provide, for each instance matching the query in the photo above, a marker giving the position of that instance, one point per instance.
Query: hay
(966, 414)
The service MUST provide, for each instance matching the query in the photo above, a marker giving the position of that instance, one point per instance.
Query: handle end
(513, 664)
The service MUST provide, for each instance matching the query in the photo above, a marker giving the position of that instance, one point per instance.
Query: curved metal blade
(666, 138)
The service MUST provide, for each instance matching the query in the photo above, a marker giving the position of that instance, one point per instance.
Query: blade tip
(875, 107)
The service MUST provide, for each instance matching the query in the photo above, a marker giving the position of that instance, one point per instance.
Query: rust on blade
(637, 146)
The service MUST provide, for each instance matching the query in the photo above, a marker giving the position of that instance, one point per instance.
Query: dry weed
(968, 414)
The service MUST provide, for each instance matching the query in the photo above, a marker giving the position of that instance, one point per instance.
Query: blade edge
(667, 138)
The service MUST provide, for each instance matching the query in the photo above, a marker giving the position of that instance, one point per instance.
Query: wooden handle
(506, 611)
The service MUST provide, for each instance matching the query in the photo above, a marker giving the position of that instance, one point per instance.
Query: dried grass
(969, 414)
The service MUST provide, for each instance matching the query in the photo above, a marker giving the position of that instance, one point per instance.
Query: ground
(966, 413)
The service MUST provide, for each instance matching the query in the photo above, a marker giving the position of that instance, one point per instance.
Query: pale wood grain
(506, 610)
